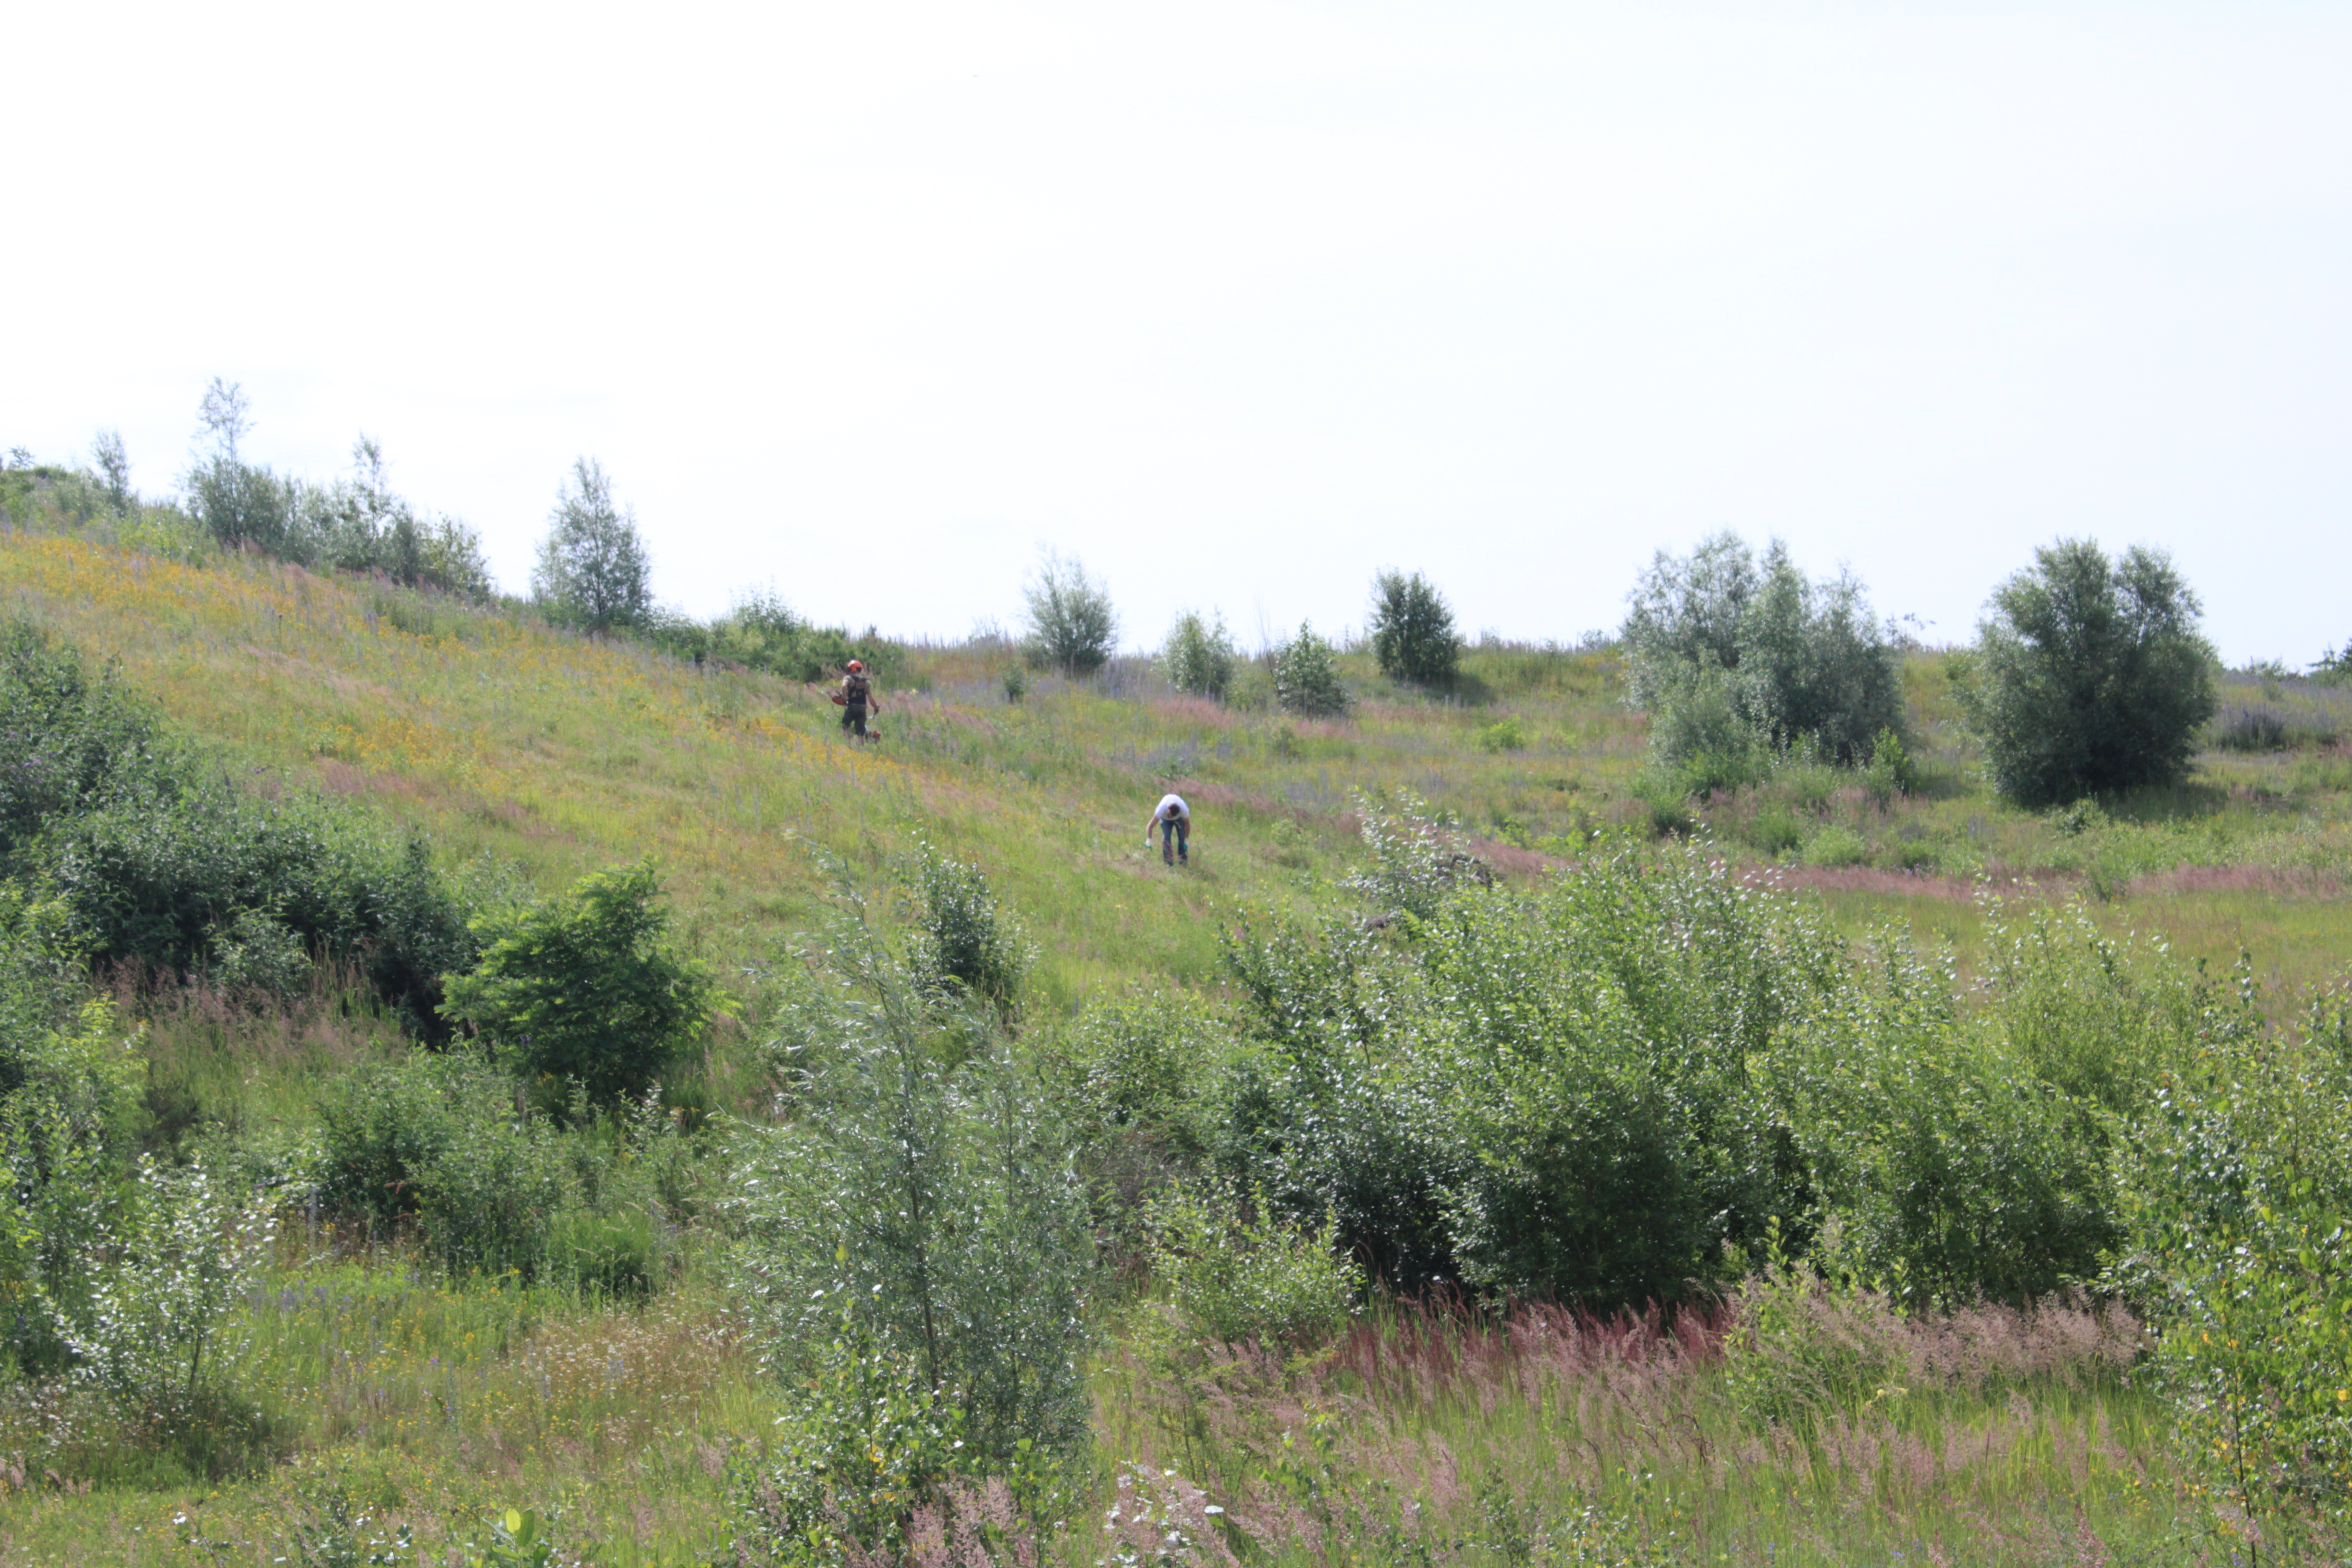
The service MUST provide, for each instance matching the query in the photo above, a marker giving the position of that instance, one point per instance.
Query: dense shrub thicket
(1735, 658)
(166, 863)
(1618, 1086)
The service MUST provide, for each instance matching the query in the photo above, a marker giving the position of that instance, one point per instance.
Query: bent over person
(1174, 820)
(856, 697)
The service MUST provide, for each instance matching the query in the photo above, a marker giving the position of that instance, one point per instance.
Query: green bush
(1198, 657)
(1764, 652)
(2238, 1181)
(168, 864)
(1239, 1275)
(1307, 677)
(587, 986)
(1836, 847)
(1411, 630)
(1072, 626)
(927, 1182)
(1505, 734)
(2088, 676)
(963, 940)
(382, 1128)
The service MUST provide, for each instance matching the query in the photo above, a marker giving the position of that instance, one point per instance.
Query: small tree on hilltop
(1307, 677)
(1730, 656)
(586, 985)
(1199, 657)
(593, 568)
(1072, 626)
(2089, 675)
(1413, 630)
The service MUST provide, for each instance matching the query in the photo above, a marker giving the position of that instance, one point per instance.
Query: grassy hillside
(400, 1397)
(509, 739)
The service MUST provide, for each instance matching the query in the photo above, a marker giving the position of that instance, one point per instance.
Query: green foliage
(519, 1538)
(1242, 1275)
(439, 1142)
(1307, 677)
(867, 1442)
(1411, 630)
(168, 863)
(66, 1125)
(1805, 1350)
(179, 1254)
(1417, 857)
(2088, 676)
(359, 526)
(587, 986)
(1199, 657)
(1765, 653)
(763, 632)
(2239, 1183)
(1072, 626)
(1505, 734)
(924, 1182)
(1890, 772)
(963, 940)
(592, 571)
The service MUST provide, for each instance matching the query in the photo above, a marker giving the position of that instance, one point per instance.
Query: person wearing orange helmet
(856, 699)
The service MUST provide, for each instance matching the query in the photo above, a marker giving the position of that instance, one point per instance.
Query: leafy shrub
(180, 1256)
(2088, 676)
(1768, 652)
(1239, 1275)
(1418, 858)
(2236, 1185)
(359, 526)
(69, 1091)
(1775, 831)
(1505, 734)
(1199, 657)
(1072, 626)
(1699, 740)
(1542, 1095)
(592, 571)
(963, 940)
(586, 987)
(165, 861)
(867, 1443)
(1805, 1348)
(1307, 677)
(939, 1199)
(381, 1127)
(1836, 847)
(1891, 771)
(1411, 630)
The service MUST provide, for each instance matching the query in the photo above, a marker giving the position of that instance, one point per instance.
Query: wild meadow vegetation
(494, 1080)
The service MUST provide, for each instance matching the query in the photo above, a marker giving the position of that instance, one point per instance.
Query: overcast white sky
(1237, 302)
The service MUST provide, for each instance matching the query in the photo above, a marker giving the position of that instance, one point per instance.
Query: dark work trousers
(1174, 835)
(852, 720)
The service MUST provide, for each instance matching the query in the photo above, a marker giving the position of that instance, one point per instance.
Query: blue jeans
(1178, 831)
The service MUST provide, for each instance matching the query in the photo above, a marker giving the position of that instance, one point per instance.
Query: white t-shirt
(1160, 812)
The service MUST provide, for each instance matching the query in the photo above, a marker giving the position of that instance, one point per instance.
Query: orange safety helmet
(855, 667)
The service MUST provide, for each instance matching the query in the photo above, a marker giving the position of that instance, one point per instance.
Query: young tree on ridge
(593, 568)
